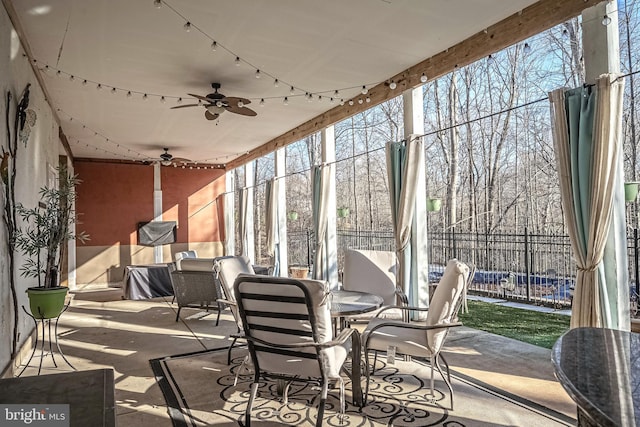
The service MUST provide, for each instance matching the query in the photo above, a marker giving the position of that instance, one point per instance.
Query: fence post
(526, 262)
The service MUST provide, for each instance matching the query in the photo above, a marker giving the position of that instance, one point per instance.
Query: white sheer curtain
(320, 214)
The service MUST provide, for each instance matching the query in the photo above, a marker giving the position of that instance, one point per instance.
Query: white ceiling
(316, 46)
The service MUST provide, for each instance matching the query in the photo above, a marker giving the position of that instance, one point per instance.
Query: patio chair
(422, 340)
(287, 324)
(192, 287)
(226, 270)
(373, 272)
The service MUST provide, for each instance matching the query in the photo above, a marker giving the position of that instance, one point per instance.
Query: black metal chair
(287, 324)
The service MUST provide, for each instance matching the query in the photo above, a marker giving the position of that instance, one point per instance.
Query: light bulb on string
(276, 83)
(71, 78)
(58, 73)
(285, 101)
(526, 49)
(368, 100)
(351, 102)
(214, 45)
(423, 78)
(342, 102)
(179, 101)
(145, 97)
(113, 91)
(258, 75)
(490, 59)
(84, 82)
(292, 90)
(129, 94)
(163, 99)
(187, 26)
(364, 90)
(157, 3)
(392, 85)
(237, 61)
(262, 102)
(606, 20)
(331, 100)
(99, 86)
(360, 101)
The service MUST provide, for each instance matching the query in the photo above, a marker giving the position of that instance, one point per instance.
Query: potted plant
(293, 215)
(42, 240)
(630, 191)
(343, 212)
(434, 204)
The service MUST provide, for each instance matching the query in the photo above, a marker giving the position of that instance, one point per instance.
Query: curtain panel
(587, 125)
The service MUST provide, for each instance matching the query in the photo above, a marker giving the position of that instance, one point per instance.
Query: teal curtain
(587, 138)
(404, 162)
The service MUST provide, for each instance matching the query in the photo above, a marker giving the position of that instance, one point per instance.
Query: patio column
(157, 207)
(331, 241)
(281, 172)
(414, 125)
(601, 56)
(248, 245)
(229, 210)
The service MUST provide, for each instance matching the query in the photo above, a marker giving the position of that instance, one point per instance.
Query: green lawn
(542, 329)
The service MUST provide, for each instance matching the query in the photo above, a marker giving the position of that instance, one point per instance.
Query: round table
(348, 303)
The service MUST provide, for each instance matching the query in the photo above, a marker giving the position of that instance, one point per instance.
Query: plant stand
(46, 329)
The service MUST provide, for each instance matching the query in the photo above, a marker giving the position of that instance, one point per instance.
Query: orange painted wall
(190, 197)
(113, 198)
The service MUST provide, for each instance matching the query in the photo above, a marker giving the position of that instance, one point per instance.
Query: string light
(606, 20)
(526, 49)
(237, 61)
(257, 74)
(423, 78)
(179, 101)
(144, 97)
(214, 45)
(187, 26)
(392, 85)
(285, 101)
(99, 86)
(157, 3)
(351, 102)
(262, 102)
(364, 90)
(276, 83)
(129, 94)
(163, 100)
(292, 90)
(113, 90)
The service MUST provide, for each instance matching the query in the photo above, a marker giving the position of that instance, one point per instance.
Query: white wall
(32, 169)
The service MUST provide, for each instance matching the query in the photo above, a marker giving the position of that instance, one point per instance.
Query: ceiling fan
(167, 159)
(216, 103)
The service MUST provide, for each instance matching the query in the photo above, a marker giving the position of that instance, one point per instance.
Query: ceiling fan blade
(184, 106)
(210, 116)
(241, 110)
(202, 98)
(232, 100)
(181, 160)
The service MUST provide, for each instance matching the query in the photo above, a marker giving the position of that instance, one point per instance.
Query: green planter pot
(47, 303)
(434, 205)
(343, 212)
(630, 191)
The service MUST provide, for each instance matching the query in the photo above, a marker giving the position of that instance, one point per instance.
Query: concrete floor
(100, 330)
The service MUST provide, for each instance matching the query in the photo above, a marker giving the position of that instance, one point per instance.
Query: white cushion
(371, 271)
(185, 254)
(195, 264)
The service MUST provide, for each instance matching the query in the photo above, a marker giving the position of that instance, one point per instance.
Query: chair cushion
(185, 254)
(371, 271)
(195, 264)
(446, 299)
(228, 269)
(412, 342)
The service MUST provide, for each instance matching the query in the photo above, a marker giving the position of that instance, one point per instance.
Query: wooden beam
(530, 21)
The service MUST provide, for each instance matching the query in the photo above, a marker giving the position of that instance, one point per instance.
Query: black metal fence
(534, 268)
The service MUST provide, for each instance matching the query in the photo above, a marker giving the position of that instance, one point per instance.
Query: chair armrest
(408, 326)
(227, 302)
(344, 335)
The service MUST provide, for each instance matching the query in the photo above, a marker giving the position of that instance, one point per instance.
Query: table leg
(356, 370)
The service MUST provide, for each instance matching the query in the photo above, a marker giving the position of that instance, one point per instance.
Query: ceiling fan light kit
(216, 103)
